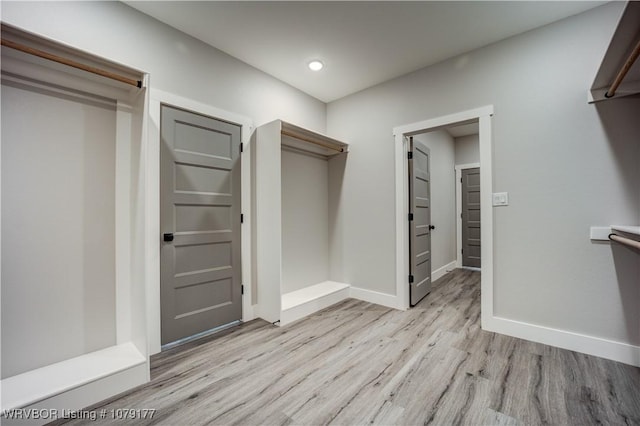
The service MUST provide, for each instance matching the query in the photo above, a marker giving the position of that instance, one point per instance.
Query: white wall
(58, 227)
(443, 199)
(305, 220)
(467, 149)
(564, 163)
(178, 63)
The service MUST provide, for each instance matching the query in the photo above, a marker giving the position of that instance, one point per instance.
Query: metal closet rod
(69, 62)
(626, 241)
(623, 72)
(284, 132)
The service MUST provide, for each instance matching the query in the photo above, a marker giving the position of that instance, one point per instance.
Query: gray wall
(443, 197)
(58, 228)
(178, 63)
(467, 149)
(305, 220)
(567, 166)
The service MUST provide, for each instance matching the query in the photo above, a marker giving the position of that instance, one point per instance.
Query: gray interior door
(200, 224)
(420, 222)
(471, 217)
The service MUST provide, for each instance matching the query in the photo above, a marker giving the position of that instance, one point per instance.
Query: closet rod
(284, 132)
(626, 241)
(69, 62)
(623, 72)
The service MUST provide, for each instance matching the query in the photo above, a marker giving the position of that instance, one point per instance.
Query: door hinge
(241, 218)
(410, 217)
(242, 289)
(410, 279)
(410, 155)
(460, 180)
(461, 251)
(241, 147)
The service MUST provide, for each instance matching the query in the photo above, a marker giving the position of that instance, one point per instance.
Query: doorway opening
(480, 120)
(444, 190)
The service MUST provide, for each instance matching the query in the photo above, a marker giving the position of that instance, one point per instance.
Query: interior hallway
(357, 363)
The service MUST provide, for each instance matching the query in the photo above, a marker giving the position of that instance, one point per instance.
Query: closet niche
(73, 198)
(297, 180)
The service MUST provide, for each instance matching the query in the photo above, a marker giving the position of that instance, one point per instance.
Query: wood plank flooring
(357, 363)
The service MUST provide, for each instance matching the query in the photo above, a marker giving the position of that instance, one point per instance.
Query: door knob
(432, 227)
(168, 236)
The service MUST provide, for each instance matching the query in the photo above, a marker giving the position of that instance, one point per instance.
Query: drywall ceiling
(361, 43)
(463, 130)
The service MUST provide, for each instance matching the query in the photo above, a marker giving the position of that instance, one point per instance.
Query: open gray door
(471, 217)
(200, 224)
(419, 221)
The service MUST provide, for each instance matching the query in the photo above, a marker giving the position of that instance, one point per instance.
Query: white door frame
(401, 134)
(157, 98)
(459, 168)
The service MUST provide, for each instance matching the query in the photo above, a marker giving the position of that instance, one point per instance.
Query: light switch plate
(500, 198)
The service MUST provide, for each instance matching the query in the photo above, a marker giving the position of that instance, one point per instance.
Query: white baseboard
(615, 351)
(301, 303)
(384, 299)
(255, 313)
(76, 399)
(440, 272)
(248, 312)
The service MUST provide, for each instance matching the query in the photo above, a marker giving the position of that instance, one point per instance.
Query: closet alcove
(297, 180)
(73, 226)
(615, 92)
(619, 72)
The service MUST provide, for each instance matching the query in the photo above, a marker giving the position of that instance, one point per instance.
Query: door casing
(401, 136)
(152, 232)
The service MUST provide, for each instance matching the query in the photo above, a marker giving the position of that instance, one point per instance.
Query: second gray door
(200, 224)
(420, 222)
(471, 217)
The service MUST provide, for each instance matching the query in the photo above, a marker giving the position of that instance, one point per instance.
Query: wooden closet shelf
(300, 138)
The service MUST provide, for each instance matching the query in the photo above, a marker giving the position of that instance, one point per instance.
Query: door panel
(471, 217)
(420, 235)
(200, 202)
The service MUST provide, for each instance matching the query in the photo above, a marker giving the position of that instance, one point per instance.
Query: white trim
(401, 134)
(384, 299)
(609, 349)
(442, 271)
(64, 376)
(158, 97)
(444, 121)
(78, 398)
(304, 302)
(486, 219)
(459, 168)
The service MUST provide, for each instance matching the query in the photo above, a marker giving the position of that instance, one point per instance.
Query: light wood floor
(358, 363)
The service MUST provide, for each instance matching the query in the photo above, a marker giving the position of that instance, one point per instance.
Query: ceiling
(463, 130)
(361, 43)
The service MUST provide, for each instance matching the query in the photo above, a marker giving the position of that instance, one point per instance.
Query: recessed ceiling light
(315, 65)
